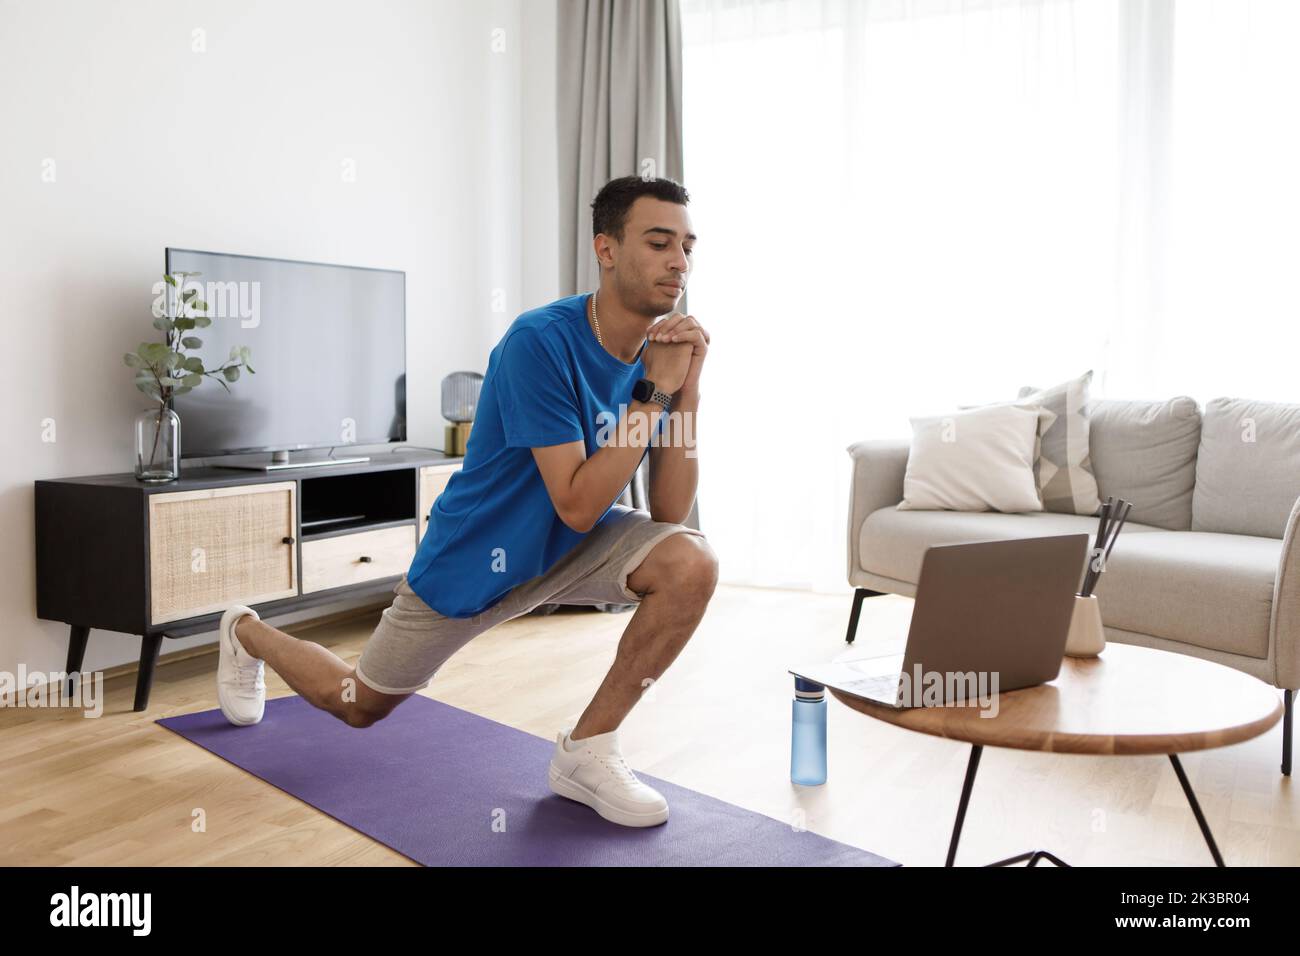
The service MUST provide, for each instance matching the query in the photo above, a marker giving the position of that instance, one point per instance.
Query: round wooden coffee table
(1129, 701)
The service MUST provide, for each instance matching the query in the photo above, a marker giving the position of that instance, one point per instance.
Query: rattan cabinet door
(212, 548)
(433, 479)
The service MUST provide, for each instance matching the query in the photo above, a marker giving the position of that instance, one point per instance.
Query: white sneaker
(241, 684)
(596, 774)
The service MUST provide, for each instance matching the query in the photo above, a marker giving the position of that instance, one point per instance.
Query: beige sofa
(1207, 563)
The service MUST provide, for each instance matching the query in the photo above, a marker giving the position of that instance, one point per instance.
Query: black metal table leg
(971, 766)
(1196, 809)
(1034, 856)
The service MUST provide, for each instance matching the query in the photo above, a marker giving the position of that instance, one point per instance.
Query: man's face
(653, 261)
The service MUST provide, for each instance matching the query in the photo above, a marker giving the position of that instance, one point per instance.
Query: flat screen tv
(327, 345)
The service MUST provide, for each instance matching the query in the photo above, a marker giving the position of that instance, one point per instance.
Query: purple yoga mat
(446, 787)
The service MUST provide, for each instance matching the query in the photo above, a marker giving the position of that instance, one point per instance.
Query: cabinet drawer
(433, 479)
(354, 558)
(212, 548)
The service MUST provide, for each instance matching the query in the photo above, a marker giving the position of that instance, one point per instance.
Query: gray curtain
(619, 106)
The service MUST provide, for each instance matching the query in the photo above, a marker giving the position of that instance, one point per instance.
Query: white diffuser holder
(1087, 639)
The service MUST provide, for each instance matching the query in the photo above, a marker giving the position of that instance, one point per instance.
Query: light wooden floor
(121, 790)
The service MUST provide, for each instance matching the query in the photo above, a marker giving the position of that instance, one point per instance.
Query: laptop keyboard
(885, 685)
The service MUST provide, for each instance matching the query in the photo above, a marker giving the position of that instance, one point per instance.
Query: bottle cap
(807, 690)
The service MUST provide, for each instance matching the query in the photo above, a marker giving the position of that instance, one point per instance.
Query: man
(573, 399)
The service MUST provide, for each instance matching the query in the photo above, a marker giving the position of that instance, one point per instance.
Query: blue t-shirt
(494, 526)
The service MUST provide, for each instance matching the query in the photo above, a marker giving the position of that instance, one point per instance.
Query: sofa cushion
(892, 543)
(1062, 465)
(1248, 467)
(1145, 452)
(1210, 590)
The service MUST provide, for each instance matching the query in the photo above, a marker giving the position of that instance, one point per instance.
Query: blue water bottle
(808, 734)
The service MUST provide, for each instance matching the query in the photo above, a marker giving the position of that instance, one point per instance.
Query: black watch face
(643, 389)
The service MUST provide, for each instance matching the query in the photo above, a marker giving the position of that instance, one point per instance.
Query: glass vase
(157, 444)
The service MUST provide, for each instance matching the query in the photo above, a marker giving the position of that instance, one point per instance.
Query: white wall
(239, 147)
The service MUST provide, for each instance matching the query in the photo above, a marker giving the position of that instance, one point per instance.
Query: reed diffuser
(1087, 637)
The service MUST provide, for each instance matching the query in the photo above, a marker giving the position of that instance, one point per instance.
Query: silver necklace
(596, 321)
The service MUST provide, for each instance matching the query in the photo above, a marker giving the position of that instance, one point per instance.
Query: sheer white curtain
(907, 206)
(1224, 315)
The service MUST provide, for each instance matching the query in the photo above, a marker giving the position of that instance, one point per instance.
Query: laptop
(1000, 609)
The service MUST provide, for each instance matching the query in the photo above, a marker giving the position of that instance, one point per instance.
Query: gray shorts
(413, 640)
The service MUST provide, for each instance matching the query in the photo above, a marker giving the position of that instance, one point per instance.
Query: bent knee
(689, 566)
(366, 716)
(355, 717)
(704, 563)
(370, 706)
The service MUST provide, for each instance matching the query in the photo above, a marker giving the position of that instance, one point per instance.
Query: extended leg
(318, 675)
(677, 580)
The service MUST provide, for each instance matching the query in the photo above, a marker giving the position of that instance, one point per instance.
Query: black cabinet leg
(858, 595)
(972, 765)
(149, 645)
(1288, 698)
(77, 638)
(1196, 810)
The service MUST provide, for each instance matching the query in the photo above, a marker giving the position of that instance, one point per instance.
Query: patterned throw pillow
(1063, 467)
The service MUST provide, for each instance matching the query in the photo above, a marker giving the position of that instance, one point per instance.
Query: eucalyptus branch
(172, 364)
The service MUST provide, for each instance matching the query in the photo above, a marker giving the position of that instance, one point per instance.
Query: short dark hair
(610, 207)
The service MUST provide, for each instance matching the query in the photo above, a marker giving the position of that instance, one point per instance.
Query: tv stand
(281, 460)
(165, 560)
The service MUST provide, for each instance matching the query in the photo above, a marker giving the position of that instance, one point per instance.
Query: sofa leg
(858, 596)
(1288, 698)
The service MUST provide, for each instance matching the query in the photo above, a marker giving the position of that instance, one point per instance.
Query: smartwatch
(644, 391)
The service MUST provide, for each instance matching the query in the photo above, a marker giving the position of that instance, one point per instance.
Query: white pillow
(978, 459)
